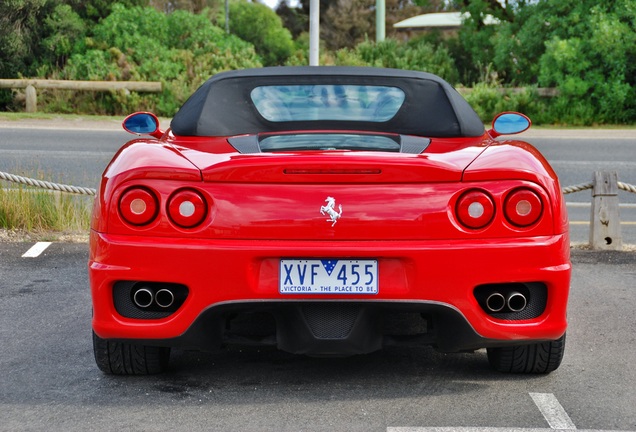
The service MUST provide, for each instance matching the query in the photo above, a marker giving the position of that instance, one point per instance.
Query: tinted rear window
(284, 103)
(360, 142)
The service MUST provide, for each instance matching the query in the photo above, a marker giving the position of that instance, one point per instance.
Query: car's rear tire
(539, 358)
(117, 358)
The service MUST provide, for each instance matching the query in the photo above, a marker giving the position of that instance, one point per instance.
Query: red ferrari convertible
(328, 211)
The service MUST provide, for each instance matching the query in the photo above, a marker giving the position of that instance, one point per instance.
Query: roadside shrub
(181, 50)
(390, 53)
(489, 98)
(300, 54)
(488, 101)
(595, 74)
(585, 48)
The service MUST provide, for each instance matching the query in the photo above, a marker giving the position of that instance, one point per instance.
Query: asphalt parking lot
(50, 382)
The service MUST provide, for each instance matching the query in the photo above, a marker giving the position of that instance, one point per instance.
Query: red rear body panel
(398, 209)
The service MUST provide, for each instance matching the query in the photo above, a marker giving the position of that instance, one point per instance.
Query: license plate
(328, 276)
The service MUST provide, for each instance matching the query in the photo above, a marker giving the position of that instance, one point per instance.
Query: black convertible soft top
(222, 106)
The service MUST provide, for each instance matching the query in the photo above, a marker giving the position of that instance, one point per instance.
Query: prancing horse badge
(330, 211)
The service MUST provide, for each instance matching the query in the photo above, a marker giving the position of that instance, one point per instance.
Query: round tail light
(523, 207)
(187, 208)
(138, 206)
(475, 209)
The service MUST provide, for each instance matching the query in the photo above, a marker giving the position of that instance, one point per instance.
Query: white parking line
(488, 429)
(468, 429)
(552, 411)
(36, 250)
(547, 403)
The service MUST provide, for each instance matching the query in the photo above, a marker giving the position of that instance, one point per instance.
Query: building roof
(440, 20)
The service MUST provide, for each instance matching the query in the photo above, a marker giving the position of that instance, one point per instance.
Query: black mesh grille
(331, 321)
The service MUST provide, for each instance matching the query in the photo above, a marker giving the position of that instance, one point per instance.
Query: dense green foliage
(595, 70)
(181, 50)
(585, 48)
(260, 26)
(19, 33)
(420, 56)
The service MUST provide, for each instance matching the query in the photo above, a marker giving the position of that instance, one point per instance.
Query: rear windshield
(330, 141)
(283, 103)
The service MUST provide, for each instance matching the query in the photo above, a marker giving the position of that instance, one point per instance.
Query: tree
(324, 5)
(347, 23)
(37, 35)
(259, 25)
(193, 6)
(432, 6)
(95, 10)
(19, 35)
(293, 19)
(63, 27)
(479, 9)
(20, 40)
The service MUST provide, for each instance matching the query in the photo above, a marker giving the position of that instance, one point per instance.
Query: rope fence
(626, 187)
(584, 186)
(47, 185)
(577, 188)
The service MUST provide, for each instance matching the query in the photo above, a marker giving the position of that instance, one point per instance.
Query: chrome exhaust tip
(164, 298)
(495, 302)
(516, 302)
(143, 298)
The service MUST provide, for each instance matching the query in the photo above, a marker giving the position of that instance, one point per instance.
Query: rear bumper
(436, 279)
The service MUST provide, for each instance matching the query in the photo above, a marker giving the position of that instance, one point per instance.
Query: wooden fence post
(31, 99)
(605, 223)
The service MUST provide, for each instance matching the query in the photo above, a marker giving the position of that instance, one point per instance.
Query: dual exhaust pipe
(145, 298)
(515, 301)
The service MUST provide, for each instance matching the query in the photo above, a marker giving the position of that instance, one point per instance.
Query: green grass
(37, 211)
